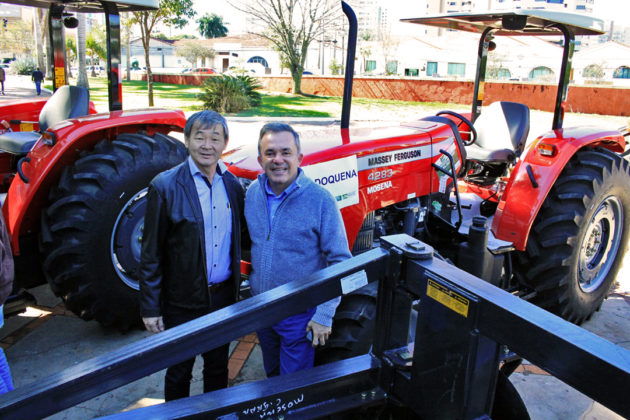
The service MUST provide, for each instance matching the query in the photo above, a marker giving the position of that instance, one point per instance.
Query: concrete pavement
(17, 87)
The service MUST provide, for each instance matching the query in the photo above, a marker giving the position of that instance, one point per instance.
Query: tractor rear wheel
(578, 240)
(92, 231)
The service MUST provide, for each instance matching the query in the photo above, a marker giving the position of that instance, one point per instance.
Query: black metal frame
(563, 82)
(57, 41)
(462, 326)
(349, 75)
(114, 75)
(112, 28)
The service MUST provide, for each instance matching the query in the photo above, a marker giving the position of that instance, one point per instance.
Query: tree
(71, 54)
(171, 13)
(16, 39)
(365, 48)
(40, 21)
(211, 26)
(593, 71)
(82, 80)
(95, 44)
(193, 51)
(389, 48)
(291, 26)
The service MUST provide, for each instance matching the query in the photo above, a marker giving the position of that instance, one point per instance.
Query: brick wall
(584, 99)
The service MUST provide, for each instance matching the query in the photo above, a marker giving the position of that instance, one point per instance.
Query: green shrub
(251, 85)
(230, 93)
(24, 65)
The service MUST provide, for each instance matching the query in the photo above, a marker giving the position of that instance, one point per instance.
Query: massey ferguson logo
(379, 187)
(334, 178)
(393, 158)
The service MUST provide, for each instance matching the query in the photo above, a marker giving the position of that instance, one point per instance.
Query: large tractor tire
(353, 326)
(578, 240)
(92, 231)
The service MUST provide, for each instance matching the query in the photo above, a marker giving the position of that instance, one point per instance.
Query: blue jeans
(38, 86)
(285, 347)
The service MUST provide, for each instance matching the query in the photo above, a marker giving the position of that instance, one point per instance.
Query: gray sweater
(307, 235)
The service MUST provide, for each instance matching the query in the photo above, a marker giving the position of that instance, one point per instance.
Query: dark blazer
(173, 262)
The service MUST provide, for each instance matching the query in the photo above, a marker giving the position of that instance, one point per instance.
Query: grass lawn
(273, 104)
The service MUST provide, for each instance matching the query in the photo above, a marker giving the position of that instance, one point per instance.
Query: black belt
(214, 288)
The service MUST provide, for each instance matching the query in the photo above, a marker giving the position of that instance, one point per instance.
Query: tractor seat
(502, 130)
(66, 102)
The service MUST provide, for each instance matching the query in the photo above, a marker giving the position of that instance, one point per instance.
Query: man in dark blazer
(190, 263)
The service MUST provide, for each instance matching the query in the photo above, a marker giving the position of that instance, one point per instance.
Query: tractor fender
(62, 145)
(23, 115)
(522, 200)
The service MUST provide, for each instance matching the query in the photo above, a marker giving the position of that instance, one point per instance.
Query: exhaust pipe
(349, 76)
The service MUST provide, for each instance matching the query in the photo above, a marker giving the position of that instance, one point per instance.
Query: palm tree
(82, 79)
(211, 26)
(96, 47)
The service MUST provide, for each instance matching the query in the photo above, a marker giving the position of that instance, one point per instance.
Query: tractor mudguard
(64, 145)
(535, 174)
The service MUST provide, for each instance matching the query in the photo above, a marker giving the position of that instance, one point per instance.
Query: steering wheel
(472, 133)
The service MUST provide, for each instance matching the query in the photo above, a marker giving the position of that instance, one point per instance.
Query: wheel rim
(600, 244)
(126, 242)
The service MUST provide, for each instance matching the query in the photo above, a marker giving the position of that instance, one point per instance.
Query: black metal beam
(114, 75)
(305, 394)
(480, 74)
(104, 373)
(565, 76)
(349, 72)
(58, 45)
(581, 359)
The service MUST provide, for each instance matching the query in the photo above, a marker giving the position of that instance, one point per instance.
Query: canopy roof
(517, 22)
(89, 5)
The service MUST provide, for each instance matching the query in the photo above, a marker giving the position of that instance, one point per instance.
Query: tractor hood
(325, 144)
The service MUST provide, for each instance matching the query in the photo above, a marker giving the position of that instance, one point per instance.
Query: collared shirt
(273, 200)
(217, 222)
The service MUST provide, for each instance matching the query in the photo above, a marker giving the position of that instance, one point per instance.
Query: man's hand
(154, 324)
(320, 332)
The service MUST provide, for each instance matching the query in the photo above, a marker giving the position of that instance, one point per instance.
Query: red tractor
(547, 221)
(74, 181)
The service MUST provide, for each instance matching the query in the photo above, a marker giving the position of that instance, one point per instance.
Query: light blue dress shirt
(217, 222)
(273, 200)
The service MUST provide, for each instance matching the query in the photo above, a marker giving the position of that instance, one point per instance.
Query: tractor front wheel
(578, 240)
(353, 326)
(92, 232)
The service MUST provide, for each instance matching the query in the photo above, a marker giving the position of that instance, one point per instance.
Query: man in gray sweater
(296, 229)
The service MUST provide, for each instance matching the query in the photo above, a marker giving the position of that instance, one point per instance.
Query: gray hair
(277, 127)
(206, 119)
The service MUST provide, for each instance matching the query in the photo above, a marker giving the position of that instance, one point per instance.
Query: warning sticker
(60, 76)
(448, 298)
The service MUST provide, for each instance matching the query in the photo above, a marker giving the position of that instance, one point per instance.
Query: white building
(607, 63)
(161, 55)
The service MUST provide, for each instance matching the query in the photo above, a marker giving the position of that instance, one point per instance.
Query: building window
(370, 65)
(541, 73)
(432, 68)
(456, 69)
(593, 71)
(412, 72)
(392, 67)
(258, 59)
(622, 72)
(503, 73)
